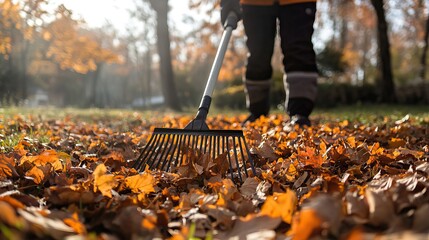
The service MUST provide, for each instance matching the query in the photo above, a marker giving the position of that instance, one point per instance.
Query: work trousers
(294, 23)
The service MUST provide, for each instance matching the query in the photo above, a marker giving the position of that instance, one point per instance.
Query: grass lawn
(364, 114)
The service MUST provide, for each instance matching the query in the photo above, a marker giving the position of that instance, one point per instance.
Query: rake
(169, 148)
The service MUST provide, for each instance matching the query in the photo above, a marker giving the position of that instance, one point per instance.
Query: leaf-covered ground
(68, 176)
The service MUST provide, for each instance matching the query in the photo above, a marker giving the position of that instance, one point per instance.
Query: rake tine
(195, 143)
(214, 147)
(242, 156)
(175, 145)
(179, 150)
(210, 145)
(148, 147)
(155, 149)
(162, 149)
(202, 144)
(218, 145)
(229, 158)
(249, 156)
(236, 159)
(188, 143)
(165, 151)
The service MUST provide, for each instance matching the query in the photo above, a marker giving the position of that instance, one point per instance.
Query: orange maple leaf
(58, 160)
(104, 182)
(281, 205)
(7, 166)
(397, 142)
(305, 224)
(140, 183)
(75, 224)
(39, 173)
(310, 157)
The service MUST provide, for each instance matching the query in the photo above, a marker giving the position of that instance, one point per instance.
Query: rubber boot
(257, 98)
(299, 109)
(301, 92)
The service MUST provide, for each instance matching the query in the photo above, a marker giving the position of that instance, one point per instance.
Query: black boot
(257, 98)
(299, 109)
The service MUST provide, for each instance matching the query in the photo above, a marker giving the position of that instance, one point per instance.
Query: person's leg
(300, 80)
(260, 28)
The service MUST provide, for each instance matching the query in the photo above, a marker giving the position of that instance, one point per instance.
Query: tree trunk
(94, 82)
(423, 66)
(387, 86)
(23, 92)
(148, 76)
(163, 42)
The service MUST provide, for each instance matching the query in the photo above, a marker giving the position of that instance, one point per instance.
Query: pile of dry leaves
(72, 179)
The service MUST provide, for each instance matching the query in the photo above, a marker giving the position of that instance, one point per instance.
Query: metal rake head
(167, 149)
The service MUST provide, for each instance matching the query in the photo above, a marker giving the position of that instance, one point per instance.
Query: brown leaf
(8, 215)
(328, 210)
(73, 194)
(381, 209)
(420, 222)
(45, 226)
(223, 218)
(356, 205)
(252, 227)
(266, 151)
(249, 186)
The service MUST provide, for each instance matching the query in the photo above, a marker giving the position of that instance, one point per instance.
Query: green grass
(361, 113)
(373, 113)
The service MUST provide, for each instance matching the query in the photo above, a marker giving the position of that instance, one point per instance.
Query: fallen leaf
(45, 227)
(39, 174)
(381, 211)
(306, 223)
(281, 205)
(8, 215)
(57, 160)
(244, 228)
(396, 143)
(104, 182)
(75, 224)
(140, 183)
(249, 187)
(7, 167)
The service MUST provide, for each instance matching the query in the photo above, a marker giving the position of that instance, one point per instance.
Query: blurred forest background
(369, 51)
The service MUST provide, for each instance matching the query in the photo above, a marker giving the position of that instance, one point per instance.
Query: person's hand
(228, 6)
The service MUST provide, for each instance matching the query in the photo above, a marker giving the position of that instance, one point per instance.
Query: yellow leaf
(140, 183)
(104, 182)
(281, 205)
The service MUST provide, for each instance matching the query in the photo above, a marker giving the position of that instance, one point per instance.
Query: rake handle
(230, 24)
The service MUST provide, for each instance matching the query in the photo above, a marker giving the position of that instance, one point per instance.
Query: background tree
(387, 86)
(163, 42)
